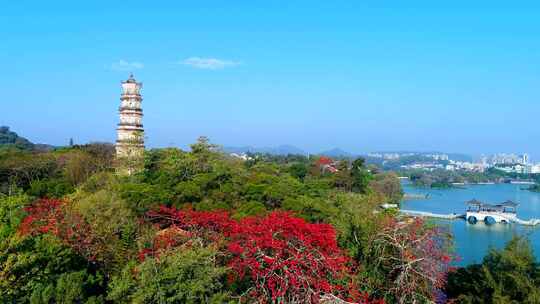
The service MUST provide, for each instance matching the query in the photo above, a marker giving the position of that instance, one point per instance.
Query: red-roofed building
(326, 164)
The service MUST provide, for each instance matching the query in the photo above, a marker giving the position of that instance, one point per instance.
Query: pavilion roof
(475, 202)
(508, 203)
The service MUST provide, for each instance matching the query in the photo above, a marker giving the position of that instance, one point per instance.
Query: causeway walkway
(450, 216)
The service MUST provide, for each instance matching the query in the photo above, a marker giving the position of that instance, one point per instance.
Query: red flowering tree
(42, 216)
(286, 258)
(274, 259)
(57, 217)
(186, 227)
(51, 216)
(282, 258)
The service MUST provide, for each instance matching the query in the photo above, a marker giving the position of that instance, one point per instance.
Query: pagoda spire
(130, 131)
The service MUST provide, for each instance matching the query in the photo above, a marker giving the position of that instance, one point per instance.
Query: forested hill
(9, 138)
(203, 226)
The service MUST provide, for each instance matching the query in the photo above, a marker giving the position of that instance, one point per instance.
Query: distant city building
(391, 156)
(424, 166)
(395, 155)
(484, 160)
(508, 159)
(535, 169)
(385, 156)
(508, 162)
(516, 168)
(130, 132)
(242, 156)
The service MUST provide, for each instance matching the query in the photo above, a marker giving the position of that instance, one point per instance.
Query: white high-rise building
(130, 132)
(525, 158)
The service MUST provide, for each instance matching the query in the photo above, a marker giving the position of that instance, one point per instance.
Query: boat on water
(488, 213)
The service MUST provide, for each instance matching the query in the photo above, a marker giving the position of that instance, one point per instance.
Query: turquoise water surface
(472, 242)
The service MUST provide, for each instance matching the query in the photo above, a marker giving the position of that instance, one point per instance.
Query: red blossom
(284, 258)
(50, 216)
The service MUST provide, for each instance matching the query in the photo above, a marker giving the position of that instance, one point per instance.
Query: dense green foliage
(511, 275)
(188, 276)
(55, 173)
(40, 269)
(87, 247)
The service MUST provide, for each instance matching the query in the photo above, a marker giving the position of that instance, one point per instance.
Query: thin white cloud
(124, 65)
(209, 63)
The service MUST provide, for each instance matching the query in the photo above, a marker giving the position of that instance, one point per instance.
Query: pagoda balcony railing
(127, 124)
(130, 142)
(130, 109)
(130, 96)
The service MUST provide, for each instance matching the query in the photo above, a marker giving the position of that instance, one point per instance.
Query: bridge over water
(453, 216)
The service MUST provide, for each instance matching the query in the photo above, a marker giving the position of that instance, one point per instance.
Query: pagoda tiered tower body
(130, 132)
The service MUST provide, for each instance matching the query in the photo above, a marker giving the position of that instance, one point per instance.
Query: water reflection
(483, 227)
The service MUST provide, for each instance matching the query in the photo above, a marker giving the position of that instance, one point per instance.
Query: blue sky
(359, 75)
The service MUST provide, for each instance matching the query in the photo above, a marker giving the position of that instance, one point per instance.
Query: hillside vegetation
(11, 139)
(205, 227)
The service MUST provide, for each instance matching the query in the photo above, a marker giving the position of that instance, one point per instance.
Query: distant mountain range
(279, 150)
(285, 150)
(336, 152)
(10, 138)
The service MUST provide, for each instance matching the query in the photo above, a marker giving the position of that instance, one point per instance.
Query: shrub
(21, 168)
(42, 270)
(52, 188)
(177, 276)
(11, 213)
(144, 197)
(249, 209)
(389, 185)
(99, 181)
(112, 223)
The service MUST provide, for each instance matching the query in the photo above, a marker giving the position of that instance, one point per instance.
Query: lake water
(472, 241)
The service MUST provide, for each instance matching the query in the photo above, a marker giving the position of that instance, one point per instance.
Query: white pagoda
(130, 132)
